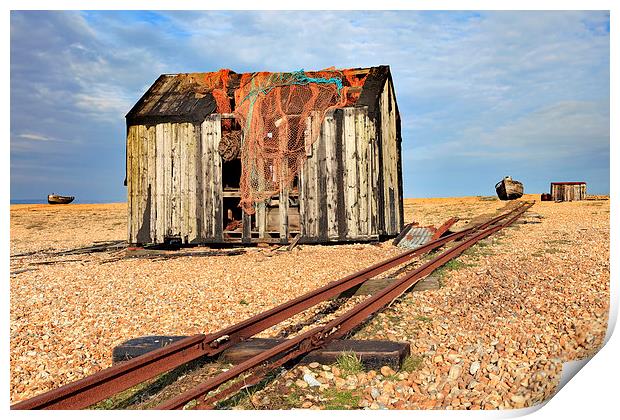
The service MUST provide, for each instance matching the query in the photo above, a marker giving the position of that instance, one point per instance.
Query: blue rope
(303, 79)
(298, 77)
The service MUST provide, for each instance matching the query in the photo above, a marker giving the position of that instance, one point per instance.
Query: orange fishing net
(281, 116)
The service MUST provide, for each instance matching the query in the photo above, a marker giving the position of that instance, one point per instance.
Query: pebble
(311, 380)
(387, 371)
(473, 368)
(455, 372)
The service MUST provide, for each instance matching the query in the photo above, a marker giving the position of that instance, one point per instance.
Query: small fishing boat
(508, 189)
(59, 199)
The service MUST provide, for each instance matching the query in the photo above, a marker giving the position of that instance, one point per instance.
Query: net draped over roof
(273, 110)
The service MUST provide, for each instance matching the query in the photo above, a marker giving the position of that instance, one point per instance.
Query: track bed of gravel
(494, 336)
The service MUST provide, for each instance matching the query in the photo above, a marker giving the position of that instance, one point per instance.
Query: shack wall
(568, 191)
(390, 164)
(351, 185)
(174, 183)
(337, 194)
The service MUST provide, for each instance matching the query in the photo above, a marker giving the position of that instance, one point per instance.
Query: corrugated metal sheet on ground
(415, 237)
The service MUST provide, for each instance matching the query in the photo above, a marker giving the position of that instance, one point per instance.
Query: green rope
(298, 77)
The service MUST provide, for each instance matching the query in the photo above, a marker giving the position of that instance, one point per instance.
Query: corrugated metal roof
(415, 237)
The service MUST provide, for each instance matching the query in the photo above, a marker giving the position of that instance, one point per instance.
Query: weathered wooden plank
(183, 180)
(152, 183)
(314, 162)
(372, 354)
(131, 134)
(136, 184)
(141, 163)
(321, 180)
(145, 213)
(168, 160)
(159, 183)
(328, 134)
(302, 199)
(175, 182)
(261, 219)
(198, 214)
(207, 216)
(361, 135)
(393, 139)
(308, 136)
(191, 183)
(140, 181)
(217, 179)
(395, 201)
(310, 184)
(211, 175)
(283, 203)
(351, 182)
(386, 161)
(373, 178)
(341, 211)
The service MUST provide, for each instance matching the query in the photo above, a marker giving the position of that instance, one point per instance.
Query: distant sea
(76, 201)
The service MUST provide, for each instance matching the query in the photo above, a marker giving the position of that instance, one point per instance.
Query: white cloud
(35, 137)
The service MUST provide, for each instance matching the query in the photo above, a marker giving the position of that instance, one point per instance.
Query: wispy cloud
(35, 137)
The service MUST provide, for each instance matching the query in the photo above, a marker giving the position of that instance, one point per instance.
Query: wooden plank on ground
(373, 354)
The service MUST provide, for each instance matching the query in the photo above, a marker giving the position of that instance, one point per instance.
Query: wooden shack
(180, 189)
(568, 191)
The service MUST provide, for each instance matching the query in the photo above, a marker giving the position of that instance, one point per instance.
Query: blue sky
(481, 94)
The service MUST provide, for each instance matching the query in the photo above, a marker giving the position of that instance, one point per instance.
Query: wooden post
(283, 201)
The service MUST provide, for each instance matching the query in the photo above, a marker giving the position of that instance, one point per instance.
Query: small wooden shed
(568, 191)
(179, 187)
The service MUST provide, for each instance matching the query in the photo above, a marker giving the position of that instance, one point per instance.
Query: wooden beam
(373, 354)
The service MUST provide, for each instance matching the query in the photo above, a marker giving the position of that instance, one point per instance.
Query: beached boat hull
(507, 189)
(59, 199)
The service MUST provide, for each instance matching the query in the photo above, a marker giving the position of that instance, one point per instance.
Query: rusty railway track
(108, 382)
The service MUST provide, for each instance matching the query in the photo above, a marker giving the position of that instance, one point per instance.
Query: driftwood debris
(97, 247)
(55, 261)
(22, 270)
(164, 255)
(102, 247)
(27, 254)
(294, 243)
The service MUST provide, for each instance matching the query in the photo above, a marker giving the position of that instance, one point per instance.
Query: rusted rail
(101, 385)
(317, 337)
